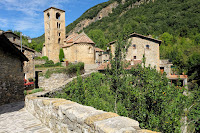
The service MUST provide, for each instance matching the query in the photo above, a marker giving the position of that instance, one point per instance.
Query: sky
(27, 15)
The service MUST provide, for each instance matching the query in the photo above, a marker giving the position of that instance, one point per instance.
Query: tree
(61, 55)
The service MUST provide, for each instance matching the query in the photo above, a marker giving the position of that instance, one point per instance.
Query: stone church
(76, 47)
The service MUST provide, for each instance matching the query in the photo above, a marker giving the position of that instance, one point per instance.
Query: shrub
(45, 58)
(49, 63)
(61, 55)
(72, 68)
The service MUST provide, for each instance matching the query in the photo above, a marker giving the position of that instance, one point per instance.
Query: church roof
(77, 39)
(53, 8)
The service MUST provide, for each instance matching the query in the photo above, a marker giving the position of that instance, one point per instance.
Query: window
(90, 50)
(59, 34)
(162, 70)
(58, 25)
(58, 16)
(134, 46)
(134, 57)
(48, 15)
(58, 40)
(14, 38)
(147, 46)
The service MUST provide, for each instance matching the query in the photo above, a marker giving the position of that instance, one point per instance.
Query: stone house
(79, 48)
(98, 55)
(29, 67)
(142, 45)
(167, 66)
(11, 75)
(101, 56)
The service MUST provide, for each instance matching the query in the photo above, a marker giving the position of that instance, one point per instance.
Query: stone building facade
(54, 24)
(76, 47)
(79, 48)
(142, 45)
(11, 75)
(101, 56)
(29, 67)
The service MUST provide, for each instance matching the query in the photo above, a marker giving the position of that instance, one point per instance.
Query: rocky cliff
(103, 13)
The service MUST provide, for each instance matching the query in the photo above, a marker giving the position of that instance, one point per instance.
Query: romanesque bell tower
(54, 23)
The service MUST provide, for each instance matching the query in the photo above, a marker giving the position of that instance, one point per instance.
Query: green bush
(61, 55)
(49, 63)
(45, 58)
(72, 68)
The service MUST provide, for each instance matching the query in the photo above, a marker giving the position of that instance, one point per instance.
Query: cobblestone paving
(15, 119)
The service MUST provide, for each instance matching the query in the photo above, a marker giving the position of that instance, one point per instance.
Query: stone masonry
(142, 45)
(63, 116)
(54, 22)
(11, 72)
(11, 79)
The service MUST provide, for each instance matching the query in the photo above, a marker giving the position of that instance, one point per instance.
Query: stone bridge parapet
(65, 116)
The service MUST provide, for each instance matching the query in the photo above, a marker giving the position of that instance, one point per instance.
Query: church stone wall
(80, 53)
(11, 79)
(53, 33)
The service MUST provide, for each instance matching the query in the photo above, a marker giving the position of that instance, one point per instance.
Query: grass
(33, 91)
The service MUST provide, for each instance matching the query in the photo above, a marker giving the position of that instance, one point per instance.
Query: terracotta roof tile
(98, 49)
(177, 76)
(76, 39)
(83, 38)
(103, 66)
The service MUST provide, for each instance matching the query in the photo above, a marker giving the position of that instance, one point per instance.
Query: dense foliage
(140, 93)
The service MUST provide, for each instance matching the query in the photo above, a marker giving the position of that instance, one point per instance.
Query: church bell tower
(54, 24)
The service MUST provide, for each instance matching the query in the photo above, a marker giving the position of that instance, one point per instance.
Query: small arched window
(147, 46)
(58, 40)
(134, 46)
(90, 50)
(58, 16)
(48, 15)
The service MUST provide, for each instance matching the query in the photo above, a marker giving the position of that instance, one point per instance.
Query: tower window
(59, 34)
(58, 25)
(134, 46)
(48, 15)
(134, 57)
(58, 16)
(58, 40)
(147, 46)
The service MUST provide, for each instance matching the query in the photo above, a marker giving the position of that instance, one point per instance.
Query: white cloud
(31, 7)
(29, 13)
(3, 23)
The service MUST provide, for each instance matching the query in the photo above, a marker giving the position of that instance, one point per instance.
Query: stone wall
(39, 62)
(151, 54)
(11, 78)
(80, 53)
(56, 80)
(53, 33)
(65, 116)
(29, 67)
